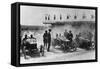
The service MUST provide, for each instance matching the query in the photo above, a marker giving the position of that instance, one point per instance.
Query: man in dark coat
(49, 40)
(45, 39)
(24, 46)
(70, 36)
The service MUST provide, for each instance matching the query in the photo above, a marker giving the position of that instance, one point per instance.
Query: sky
(35, 15)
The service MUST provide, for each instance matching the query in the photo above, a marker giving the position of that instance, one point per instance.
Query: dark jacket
(70, 36)
(49, 37)
(45, 37)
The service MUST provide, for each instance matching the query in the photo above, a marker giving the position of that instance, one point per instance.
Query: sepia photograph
(54, 34)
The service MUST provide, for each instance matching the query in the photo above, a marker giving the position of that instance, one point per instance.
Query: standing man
(24, 46)
(90, 36)
(66, 34)
(49, 40)
(70, 36)
(45, 39)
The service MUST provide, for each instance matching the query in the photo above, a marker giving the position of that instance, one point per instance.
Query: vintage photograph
(54, 34)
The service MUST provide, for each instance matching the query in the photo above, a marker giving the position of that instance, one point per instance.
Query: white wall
(31, 15)
(5, 45)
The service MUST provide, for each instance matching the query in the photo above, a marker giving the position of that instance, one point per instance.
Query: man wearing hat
(49, 40)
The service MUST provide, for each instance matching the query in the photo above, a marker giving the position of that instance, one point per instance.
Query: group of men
(68, 35)
(25, 44)
(47, 39)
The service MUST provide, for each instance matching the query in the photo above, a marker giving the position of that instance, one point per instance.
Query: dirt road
(56, 55)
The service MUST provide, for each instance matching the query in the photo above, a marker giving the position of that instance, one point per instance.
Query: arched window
(48, 17)
(75, 17)
(60, 17)
(84, 16)
(54, 17)
(45, 17)
(92, 16)
(68, 16)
